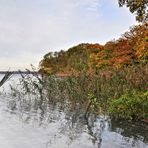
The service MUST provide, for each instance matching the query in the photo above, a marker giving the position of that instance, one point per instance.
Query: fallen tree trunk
(5, 78)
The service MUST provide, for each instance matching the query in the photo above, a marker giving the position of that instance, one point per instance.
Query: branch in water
(5, 78)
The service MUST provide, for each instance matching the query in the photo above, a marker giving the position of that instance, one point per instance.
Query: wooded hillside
(130, 48)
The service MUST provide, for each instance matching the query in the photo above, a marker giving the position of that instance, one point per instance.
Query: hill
(131, 48)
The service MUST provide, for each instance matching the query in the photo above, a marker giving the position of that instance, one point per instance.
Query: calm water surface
(24, 123)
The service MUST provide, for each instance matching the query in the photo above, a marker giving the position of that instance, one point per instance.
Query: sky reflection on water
(26, 123)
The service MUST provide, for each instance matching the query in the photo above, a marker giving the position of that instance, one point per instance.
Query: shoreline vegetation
(110, 78)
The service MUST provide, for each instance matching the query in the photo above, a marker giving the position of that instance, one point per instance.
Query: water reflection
(136, 131)
(56, 125)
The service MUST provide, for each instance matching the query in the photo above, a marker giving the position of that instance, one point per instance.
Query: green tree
(138, 7)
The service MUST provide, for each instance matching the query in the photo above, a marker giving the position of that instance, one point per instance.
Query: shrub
(131, 105)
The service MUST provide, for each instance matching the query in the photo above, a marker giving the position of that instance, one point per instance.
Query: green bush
(132, 105)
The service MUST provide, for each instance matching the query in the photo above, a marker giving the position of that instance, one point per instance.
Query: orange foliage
(131, 48)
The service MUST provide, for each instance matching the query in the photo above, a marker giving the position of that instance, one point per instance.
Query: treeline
(130, 49)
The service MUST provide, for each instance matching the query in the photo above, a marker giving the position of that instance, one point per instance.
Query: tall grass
(108, 83)
(87, 93)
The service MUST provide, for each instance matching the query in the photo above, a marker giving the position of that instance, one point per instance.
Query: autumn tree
(138, 7)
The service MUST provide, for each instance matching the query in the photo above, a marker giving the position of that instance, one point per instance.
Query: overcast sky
(31, 28)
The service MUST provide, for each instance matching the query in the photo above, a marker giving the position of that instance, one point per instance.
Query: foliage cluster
(131, 48)
(131, 105)
(139, 7)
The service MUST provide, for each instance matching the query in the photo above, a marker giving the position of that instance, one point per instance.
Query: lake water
(26, 124)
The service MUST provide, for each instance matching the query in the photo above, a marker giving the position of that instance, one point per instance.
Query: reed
(90, 93)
